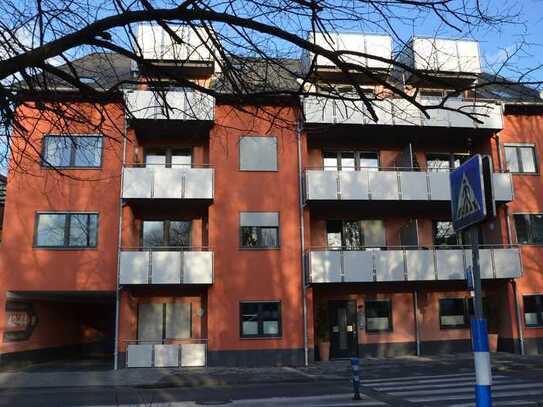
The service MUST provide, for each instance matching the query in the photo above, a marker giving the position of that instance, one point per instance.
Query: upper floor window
(520, 158)
(63, 230)
(72, 151)
(259, 230)
(444, 161)
(453, 313)
(258, 153)
(533, 310)
(351, 160)
(444, 234)
(354, 235)
(529, 228)
(166, 233)
(168, 158)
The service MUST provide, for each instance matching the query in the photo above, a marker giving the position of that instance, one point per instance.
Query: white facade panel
(166, 356)
(150, 322)
(199, 183)
(507, 263)
(258, 153)
(139, 356)
(134, 267)
(405, 114)
(325, 266)
(321, 184)
(440, 189)
(168, 182)
(450, 264)
(357, 266)
(420, 265)
(166, 267)
(354, 184)
(259, 219)
(384, 185)
(197, 267)
(503, 187)
(193, 355)
(137, 182)
(389, 265)
(443, 55)
(413, 186)
(142, 104)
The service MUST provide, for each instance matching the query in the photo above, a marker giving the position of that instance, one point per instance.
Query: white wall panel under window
(166, 267)
(420, 265)
(389, 265)
(358, 266)
(193, 354)
(197, 267)
(166, 356)
(134, 268)
(139, 356)
(258, 153)
(450, 264)
(325, 266)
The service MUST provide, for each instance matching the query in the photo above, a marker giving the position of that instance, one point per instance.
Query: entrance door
(342, 317)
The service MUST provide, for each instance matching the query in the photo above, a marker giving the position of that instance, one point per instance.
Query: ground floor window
(533, 310)
(157, 322)
(378, 316)
(260, 319)
(452, 313)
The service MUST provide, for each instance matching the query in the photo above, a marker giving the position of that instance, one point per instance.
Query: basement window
(260, 319)
(533, 310)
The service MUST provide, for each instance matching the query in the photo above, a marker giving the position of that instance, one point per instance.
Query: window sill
(252, 338)
(63, 248)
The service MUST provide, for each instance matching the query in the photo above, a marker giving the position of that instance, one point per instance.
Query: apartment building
(192, 231)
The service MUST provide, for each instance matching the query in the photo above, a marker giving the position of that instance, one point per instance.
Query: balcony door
(355, 234)
(343, 329)
(168, 158)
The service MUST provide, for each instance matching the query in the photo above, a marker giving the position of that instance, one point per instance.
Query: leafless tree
(252, 42)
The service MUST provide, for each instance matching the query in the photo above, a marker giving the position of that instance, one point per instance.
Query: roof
(252, 75)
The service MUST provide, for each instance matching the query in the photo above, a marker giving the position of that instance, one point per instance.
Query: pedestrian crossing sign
(468, 194)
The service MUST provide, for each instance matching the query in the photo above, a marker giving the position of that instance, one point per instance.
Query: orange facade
(71, 289)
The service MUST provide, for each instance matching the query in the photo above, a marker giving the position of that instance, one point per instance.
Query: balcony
(143, 354)
(400, 112)
(185, 105)
(165, 266)
(401, 264)
(159, 182)
(391, 185)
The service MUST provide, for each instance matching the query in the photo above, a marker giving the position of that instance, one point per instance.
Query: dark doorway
(343, 340)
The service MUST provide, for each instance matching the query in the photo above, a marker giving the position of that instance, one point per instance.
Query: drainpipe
(119, 237)
(302, 232)
(417, 325)
(520, 329)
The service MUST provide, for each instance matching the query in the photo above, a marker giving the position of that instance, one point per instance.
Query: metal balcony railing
(166, 265)
(166, 353)
(337, 265)
(142, 181)
(383, 184)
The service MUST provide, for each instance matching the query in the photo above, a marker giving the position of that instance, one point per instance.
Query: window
(355, 235)
(378, 316)
(157, 322)
(258, 153)
(166, 233)
(72, 151)
(350, 161)
(443, 234)
(168, 158)
(66, 230)
(533, 310)
(529, 228)
(260, 319)
(259, 230)
(520, 158)
(444, 161)
(452, 313)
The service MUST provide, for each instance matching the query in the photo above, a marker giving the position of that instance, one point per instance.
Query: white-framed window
(258, 153)
(521, 158)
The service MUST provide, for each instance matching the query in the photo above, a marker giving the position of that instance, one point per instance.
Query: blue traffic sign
(468, 194)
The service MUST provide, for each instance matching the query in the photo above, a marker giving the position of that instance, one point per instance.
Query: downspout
(302, 232)
(119, 237)
(417, 324)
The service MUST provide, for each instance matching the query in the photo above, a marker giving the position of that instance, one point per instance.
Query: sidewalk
(338, 370)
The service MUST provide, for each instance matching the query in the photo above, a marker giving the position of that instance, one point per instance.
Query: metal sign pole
(479, 331)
